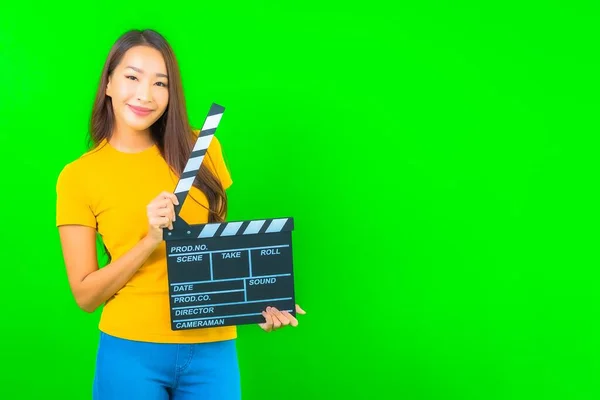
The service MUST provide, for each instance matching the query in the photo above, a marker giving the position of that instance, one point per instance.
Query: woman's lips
(142, 111)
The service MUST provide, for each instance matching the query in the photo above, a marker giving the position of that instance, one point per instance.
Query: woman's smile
(141, 111)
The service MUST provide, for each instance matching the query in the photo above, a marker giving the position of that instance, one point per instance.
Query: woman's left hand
(275, 319)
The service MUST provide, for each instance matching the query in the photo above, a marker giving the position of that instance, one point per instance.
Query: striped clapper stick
(223, 274)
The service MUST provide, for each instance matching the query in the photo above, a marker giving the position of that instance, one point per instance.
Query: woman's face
(138, 88)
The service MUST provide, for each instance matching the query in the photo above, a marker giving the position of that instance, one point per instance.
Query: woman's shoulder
(82, 164)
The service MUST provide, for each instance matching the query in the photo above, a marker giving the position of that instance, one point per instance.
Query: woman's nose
(144, 93)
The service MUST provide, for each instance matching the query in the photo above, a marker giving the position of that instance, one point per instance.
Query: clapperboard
(223, 274)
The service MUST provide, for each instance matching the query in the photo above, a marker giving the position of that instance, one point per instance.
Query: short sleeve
(72, 206)
(217, 162)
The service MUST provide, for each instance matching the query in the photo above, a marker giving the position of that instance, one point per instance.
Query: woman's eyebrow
(141, 72)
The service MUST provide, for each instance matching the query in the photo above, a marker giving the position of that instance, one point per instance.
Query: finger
(170, 196)
(169, 213)
(163, 203)
(164, 212)
(169, 219)
(293, 321)
(165, 209)
(160, 204)
(300, 310)
(282, 318)
(160, 222)
(276, 321)
(168, 204)
(165, 222)
(268, 325)
(163, 199)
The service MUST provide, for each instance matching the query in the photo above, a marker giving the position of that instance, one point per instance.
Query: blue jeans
(130, 370)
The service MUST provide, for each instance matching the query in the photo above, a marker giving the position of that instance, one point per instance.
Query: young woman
(122, 189)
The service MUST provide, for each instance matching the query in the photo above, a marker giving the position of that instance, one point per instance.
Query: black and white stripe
(198, 152)
(240, 228)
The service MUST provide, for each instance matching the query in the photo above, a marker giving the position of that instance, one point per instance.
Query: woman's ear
(107, 91)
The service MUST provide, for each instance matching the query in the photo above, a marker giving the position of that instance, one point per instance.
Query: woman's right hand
(161, 214)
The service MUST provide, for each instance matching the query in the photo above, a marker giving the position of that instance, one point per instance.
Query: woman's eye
(130, 77)
(161, 84)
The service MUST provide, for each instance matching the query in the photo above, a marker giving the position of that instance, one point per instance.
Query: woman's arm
(92, 286)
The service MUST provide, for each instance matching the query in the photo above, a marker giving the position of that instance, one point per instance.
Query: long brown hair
(172, 132)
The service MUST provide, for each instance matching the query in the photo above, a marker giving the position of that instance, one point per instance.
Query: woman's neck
(131, 141)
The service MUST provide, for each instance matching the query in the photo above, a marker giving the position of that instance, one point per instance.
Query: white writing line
(227, 250)
(250, 261)
(225, 316)
(228, 279)
(215, 292)
(230, 304)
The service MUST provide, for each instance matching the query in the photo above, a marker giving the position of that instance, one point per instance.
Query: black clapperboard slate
(223, 274)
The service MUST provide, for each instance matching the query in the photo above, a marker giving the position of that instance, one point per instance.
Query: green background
(440, 160)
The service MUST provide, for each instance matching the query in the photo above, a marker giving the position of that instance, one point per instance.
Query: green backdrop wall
(440, 160)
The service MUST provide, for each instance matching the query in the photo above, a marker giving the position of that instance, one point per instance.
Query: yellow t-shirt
(108, 190)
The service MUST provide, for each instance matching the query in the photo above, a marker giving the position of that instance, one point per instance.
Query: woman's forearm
(100, 285)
